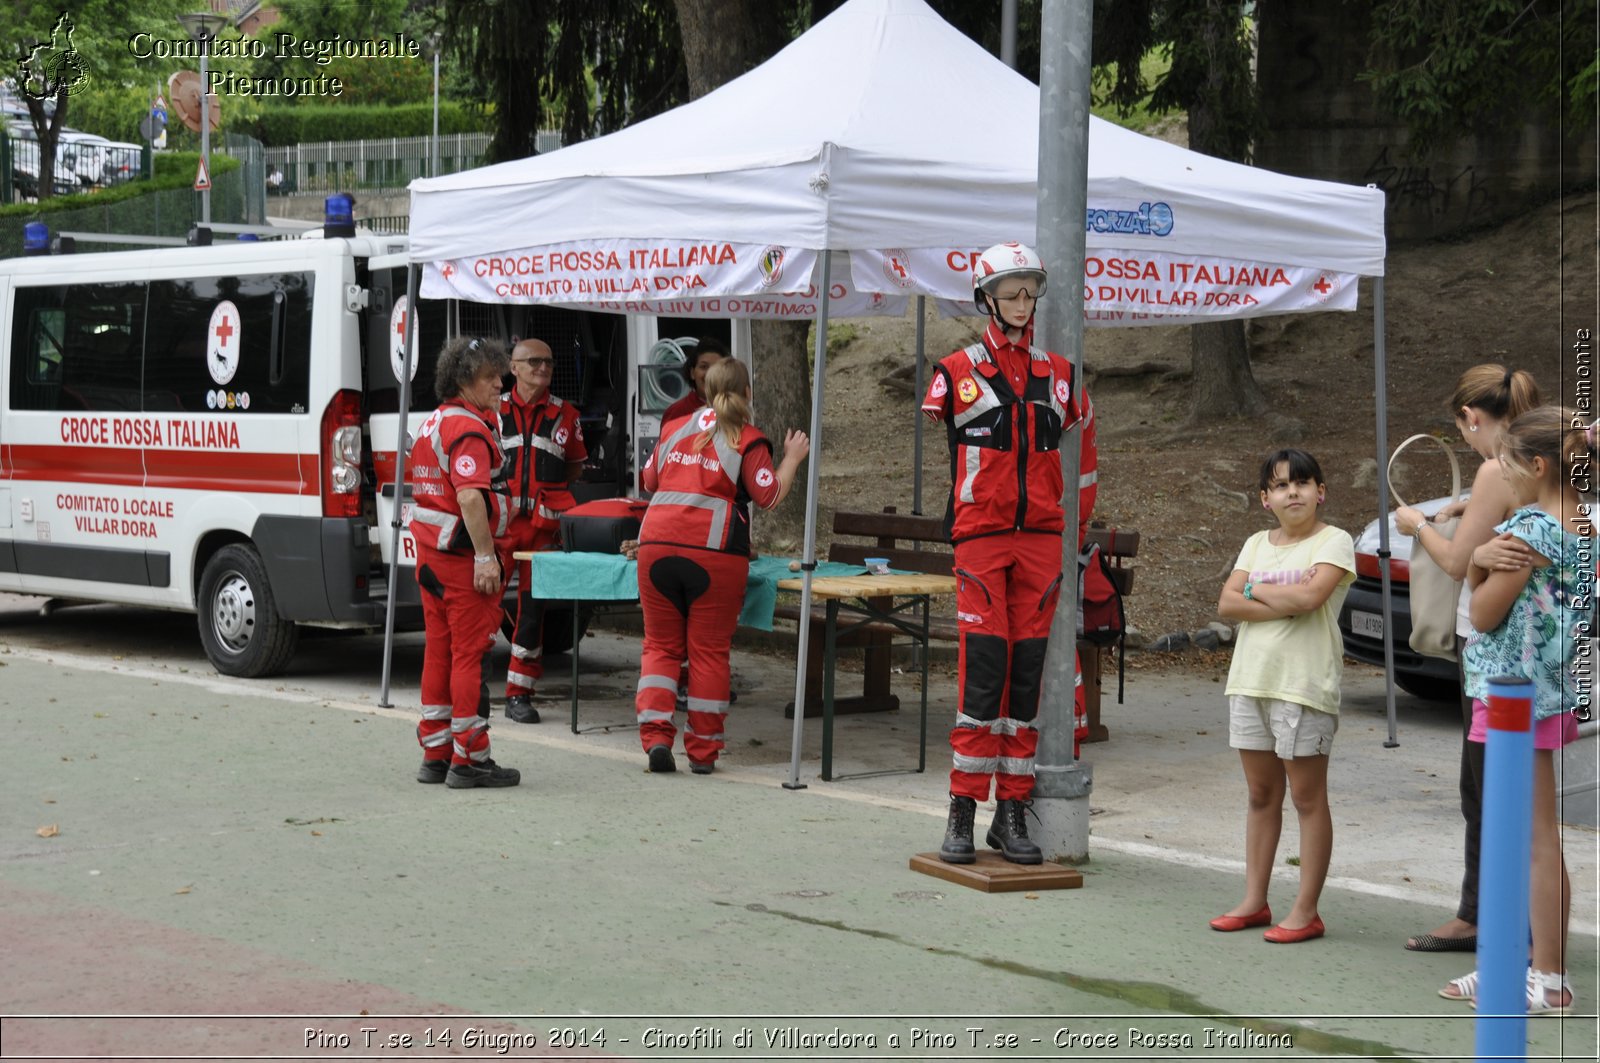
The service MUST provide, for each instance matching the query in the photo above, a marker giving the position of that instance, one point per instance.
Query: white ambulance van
(213, 429)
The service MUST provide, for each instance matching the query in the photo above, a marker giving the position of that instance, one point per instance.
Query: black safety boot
(661, 761)
(485, 773)
(433, 771)
(519, 709)
(702, 767)
(1009, 833)
(957, 847)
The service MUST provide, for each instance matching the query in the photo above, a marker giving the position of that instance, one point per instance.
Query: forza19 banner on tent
(1125, 287)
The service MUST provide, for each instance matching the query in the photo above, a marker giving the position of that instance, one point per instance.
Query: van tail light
(341, 455)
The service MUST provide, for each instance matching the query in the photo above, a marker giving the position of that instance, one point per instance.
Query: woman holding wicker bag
(1485, 400)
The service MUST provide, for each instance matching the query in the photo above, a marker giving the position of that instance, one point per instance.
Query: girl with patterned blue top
(1532, 620)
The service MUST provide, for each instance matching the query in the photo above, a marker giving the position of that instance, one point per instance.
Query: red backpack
(1101, 619)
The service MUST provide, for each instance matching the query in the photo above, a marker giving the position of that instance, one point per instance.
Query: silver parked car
(1361, 616)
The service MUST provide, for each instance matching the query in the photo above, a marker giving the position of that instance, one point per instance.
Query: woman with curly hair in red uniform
(459, 524)
(694, 557)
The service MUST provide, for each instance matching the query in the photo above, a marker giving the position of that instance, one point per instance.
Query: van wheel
(239, 622)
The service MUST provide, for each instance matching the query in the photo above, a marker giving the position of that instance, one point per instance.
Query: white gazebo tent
(871, 159)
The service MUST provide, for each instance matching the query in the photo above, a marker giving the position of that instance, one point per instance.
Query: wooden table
(860, 597)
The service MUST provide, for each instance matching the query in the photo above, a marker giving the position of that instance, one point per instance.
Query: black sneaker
(519, 709)
(702, 769)
(661, 761)
(433, 771)
(485, 773)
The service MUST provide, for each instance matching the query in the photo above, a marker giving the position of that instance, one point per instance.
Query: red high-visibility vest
(457, 447)
(700, 497)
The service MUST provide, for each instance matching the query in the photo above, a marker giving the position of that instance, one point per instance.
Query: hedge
(310, 124)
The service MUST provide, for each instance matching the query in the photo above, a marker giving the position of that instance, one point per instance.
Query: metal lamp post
(433, 148)
(202, 26)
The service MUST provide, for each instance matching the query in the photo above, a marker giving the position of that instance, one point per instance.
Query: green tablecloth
(613, 578)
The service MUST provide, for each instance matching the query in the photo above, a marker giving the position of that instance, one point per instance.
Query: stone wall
(1322, 122)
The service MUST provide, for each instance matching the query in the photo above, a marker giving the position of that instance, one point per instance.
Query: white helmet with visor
(1013, 262)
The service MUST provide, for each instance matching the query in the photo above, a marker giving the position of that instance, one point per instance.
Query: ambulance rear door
(385, 354)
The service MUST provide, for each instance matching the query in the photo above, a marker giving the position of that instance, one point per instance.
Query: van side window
(77, 347)
(273, 341)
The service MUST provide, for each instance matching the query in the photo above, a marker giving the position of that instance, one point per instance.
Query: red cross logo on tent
(448, 271)
(1322, 285)
(897, 267)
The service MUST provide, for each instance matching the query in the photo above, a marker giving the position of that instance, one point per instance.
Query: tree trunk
(1222, 384)
(721, 40)
(783, 401)
(1219, 356)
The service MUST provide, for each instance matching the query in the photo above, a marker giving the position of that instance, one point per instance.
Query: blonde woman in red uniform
(694, 557)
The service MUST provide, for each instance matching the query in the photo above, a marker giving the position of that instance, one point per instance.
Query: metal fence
(343, 166)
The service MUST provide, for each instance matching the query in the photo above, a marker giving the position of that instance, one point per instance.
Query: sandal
(1540, 985)
(1463, 988)
(1434, 943)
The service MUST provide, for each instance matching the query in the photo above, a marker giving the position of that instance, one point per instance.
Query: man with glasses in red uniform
(1006, 405)
(544, 453)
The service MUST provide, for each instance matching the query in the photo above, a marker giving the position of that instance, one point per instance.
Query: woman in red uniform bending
(694, 557)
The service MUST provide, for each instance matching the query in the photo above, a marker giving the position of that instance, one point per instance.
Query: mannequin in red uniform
(1006, 406)
(459, 523)
(544, 452)
(694, 558)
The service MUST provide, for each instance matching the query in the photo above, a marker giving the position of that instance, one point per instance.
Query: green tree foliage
(45, 62)
(309, 123)
(1452, 68)
(584, 66)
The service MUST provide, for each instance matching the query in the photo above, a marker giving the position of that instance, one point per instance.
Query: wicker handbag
(1433, 593)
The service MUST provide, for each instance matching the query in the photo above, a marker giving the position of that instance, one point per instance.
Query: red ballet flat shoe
(1280, 935)
(1229, 923)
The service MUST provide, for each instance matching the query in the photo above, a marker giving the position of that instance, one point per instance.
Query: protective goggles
(1010, 288)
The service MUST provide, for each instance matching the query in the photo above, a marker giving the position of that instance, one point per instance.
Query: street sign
(149, 128)
(202, 177)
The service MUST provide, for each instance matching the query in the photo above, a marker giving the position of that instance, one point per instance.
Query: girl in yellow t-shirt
(1283, 686)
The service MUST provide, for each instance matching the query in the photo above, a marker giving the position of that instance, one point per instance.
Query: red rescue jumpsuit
(540, 438)
(694, 559)
(1005, 407)
(457, 447)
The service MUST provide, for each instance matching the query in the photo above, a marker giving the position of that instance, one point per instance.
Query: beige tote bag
(1433, 593)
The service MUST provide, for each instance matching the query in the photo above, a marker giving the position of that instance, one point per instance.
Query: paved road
(231, 849)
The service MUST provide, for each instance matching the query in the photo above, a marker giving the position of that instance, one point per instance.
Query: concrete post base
(1062, 830)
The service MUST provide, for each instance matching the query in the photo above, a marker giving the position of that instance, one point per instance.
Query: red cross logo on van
(222, 350)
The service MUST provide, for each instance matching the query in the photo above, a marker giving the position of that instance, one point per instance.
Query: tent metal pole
(808, 563)
(413, 274)
(1379, 358)
(916, 399)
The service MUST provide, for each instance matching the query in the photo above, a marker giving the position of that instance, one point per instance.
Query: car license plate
(1368, 624)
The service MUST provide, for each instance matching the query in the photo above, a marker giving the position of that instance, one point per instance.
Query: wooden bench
(917, 544)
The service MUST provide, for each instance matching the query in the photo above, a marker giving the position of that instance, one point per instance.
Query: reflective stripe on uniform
(658, 682)
(987, 400)
(972, 466)
(975, 765)
(707, 705)
(435, 712)
(445, 522)
(718, 507)
(1015, 766)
